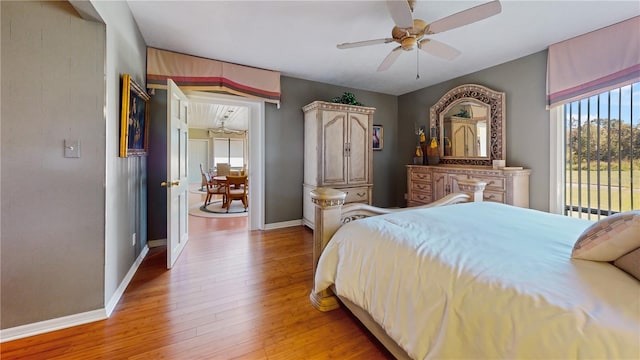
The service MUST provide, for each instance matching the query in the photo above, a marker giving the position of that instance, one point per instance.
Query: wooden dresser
(338, 152)
(426, 184)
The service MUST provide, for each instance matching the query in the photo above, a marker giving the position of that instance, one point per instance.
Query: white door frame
(255, 140)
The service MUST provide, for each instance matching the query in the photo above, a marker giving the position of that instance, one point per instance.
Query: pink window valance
(594, 62)
(201, 74)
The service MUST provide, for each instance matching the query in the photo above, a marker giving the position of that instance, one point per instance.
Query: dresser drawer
(420, 187)
(421, 197)
(356, 195)
(494, 196)
(493, 183)
(419, 176)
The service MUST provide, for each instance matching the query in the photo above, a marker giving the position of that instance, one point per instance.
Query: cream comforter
(484, 280)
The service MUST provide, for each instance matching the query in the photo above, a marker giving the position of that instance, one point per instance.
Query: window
(602, 153)
(228, 150)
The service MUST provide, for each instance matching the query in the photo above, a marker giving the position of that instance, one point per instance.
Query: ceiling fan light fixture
(409, 43)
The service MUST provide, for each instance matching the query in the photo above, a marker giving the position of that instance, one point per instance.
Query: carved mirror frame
(497, 104)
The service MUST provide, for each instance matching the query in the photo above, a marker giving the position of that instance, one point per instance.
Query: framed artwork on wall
(377, 137)
(134, 122)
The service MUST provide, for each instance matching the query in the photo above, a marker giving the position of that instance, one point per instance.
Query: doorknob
(173, 183)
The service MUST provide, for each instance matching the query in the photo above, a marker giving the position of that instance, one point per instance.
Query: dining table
(221, 183)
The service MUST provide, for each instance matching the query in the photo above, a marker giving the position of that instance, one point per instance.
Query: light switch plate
(71, 148)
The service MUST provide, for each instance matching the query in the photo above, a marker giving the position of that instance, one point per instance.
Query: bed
(472, 280)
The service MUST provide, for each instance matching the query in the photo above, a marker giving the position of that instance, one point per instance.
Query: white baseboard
(156, 243)
(283, 224)
(41, 327)
(308, 224)
(111, 304)
(64, 322)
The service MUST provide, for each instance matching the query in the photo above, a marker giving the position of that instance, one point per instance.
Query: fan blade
(466, 17)
(400, 13)
(364, 43)
(439, 49)
(390, 59)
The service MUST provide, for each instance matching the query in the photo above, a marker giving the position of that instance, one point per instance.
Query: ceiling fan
(224, 130)
(410, 33)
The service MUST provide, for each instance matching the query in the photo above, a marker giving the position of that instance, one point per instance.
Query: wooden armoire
(463, 135)
(338, 152)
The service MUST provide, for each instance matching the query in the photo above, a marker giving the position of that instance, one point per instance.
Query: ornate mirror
(469, 123)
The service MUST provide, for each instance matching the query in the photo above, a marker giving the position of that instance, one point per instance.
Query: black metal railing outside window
(602, 153)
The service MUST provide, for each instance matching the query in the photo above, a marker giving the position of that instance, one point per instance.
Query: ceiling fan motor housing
(409, 37)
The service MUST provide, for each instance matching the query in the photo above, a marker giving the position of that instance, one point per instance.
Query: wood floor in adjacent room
(233, 294)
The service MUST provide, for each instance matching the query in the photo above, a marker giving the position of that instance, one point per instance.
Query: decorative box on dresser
(338, 152)
(426, 184)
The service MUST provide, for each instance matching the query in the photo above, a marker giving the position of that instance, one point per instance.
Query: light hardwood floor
(233, 294)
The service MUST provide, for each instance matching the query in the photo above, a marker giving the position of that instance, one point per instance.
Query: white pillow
(609, 238)
(630, 263)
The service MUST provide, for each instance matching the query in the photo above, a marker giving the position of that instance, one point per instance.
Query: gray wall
(527, 121)
(67, 224)
(53, 219)
(126, 181)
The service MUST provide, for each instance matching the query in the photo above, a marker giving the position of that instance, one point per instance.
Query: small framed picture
(134, 121)
(377, 137)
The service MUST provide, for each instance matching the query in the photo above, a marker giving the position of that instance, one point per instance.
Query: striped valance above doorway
(201, 74)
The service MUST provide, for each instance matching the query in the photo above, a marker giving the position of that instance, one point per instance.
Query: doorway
(254, 148)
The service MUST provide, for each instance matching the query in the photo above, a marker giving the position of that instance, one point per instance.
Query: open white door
(177, 172)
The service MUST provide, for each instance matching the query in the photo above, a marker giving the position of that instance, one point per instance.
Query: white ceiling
(298, 38)
(207, 115)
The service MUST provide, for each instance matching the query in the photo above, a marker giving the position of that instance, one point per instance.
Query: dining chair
(203, 182)
(237, 190)
(223, 169)
(215, 188)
